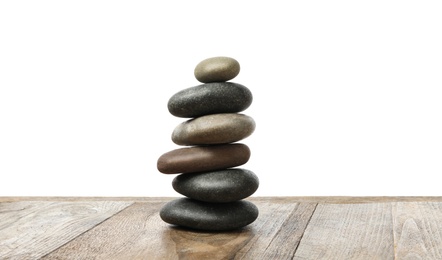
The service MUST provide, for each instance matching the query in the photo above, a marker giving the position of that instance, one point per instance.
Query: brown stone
(214, 129)
(203, 158)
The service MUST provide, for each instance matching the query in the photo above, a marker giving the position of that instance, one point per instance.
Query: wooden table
(287, 228)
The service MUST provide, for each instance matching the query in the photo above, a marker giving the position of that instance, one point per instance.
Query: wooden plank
(417, 230)
(285, 229)
(55, 198)
(133, 233)
(293, 199)
(286, 241)
(138, 233)
(29, 230)
(348, 231)
(277, 234)
(253, 242)
(149, 238)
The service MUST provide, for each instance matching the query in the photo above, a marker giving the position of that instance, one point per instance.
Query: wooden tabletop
(287, 228)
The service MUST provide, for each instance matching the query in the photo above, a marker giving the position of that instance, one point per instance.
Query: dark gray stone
(218, 186)
(210, 98)
(217, 69)
(200, 215)
(214, 129)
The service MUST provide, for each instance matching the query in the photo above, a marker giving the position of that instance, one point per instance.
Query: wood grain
(29, 230)
(278, 230)
(348, 231)
(417, 230)
(133, 233)
(292, 199)
(138, 233)
(287, 228)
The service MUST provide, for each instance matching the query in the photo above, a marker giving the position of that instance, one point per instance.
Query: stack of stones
(213, 186)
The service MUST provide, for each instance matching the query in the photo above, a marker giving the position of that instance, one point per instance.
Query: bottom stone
(200, 215)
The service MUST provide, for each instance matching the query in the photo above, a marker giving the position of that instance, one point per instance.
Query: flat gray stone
(210, 98)
(214, 129)
(217, 69)
(217, 186)
(200, 215)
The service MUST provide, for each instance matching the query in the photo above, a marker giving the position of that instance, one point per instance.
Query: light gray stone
(214, 129)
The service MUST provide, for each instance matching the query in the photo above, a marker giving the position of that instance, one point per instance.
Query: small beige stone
(214, 129)
(217, 69)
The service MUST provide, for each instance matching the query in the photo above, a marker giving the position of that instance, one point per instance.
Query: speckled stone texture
(203, 158)
(214, 129)
(217, 69)
(210, 98)
(214, 189)
(218, 186)
(200, 215)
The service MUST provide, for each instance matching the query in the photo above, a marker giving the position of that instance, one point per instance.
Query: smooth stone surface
(209, 216)
(217, 69)
(203, 158)
(214, 129)
(217, 186)
(210, 98)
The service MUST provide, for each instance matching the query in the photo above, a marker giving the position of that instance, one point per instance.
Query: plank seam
(302, 236)
(392, 204)
(283, 222)
(99, 223)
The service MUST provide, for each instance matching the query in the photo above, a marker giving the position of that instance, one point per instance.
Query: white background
(347, 94)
